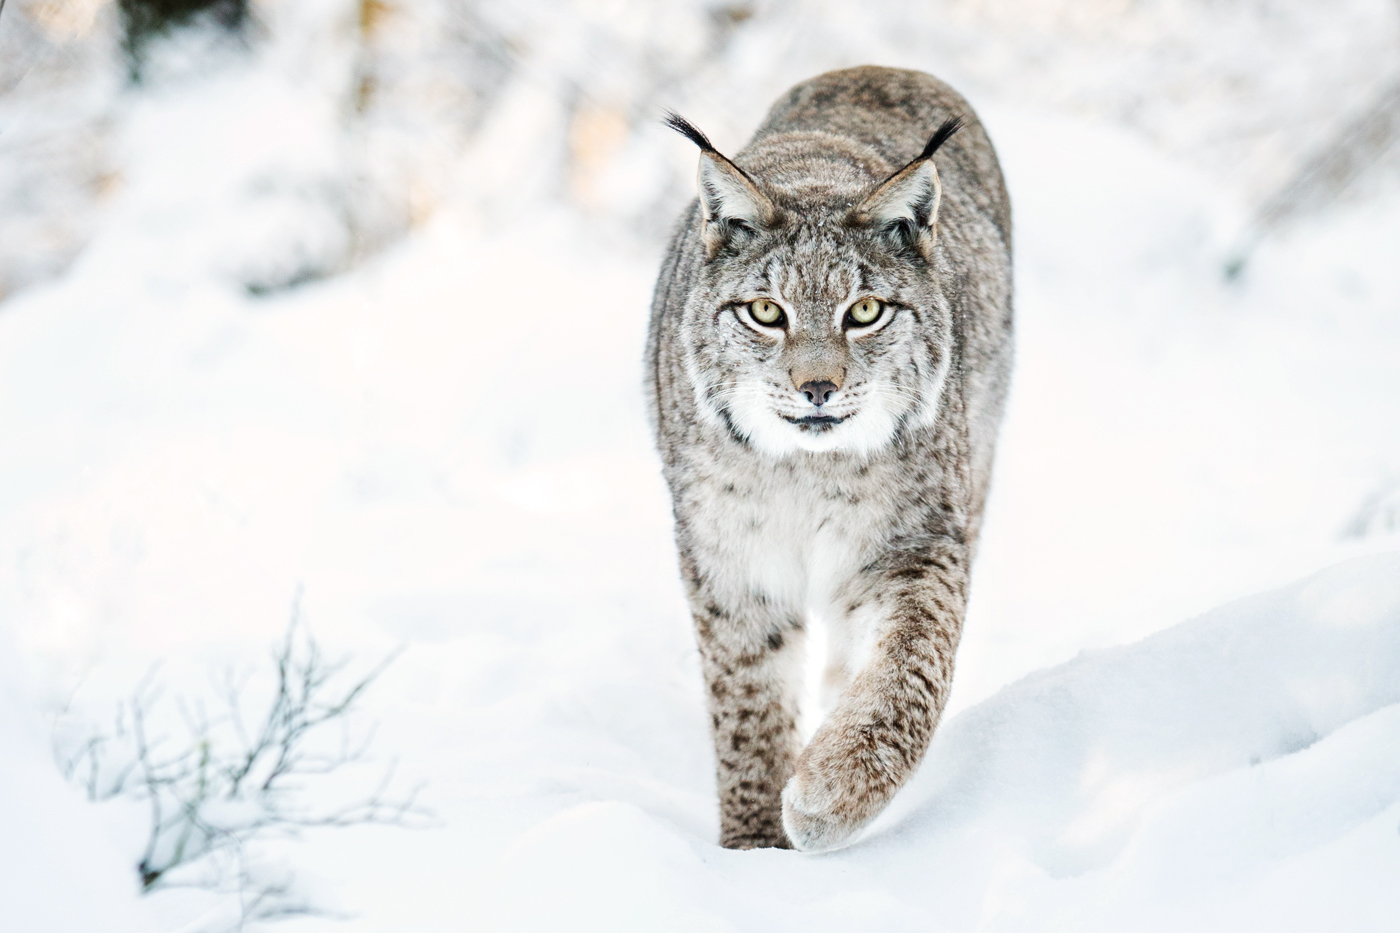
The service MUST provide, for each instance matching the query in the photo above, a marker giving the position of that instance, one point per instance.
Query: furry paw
(756, 841)
(750, 824)
(811, 815)
(842, 781)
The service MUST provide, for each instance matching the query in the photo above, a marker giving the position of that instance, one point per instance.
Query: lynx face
(818, 336)
(819, 323)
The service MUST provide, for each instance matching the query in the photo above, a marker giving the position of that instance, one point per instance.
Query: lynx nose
(818, 392)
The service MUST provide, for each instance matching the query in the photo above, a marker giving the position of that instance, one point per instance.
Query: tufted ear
(732, 208)
(905, 206)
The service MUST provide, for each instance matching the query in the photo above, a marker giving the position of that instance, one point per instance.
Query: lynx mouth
(815, 422)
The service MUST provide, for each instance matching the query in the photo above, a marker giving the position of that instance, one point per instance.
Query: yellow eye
(866, 311)
(765, 312)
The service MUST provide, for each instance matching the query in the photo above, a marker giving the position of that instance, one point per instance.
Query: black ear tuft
(941, 136)
(683, 126)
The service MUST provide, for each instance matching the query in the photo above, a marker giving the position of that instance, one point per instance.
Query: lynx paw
(756, 841)
(811, 815)
(842, 781)
(753, 825)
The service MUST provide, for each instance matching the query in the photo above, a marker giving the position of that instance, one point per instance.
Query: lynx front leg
(751, 658)
(878, 731)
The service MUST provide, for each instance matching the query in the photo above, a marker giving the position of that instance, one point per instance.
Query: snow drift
(1234, 772)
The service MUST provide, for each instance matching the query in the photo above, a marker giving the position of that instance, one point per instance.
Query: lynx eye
(766, 312)
(864, 312)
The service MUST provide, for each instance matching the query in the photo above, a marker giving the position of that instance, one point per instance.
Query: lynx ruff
(829, 351)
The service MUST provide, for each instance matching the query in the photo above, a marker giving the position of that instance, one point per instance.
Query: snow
(1183, 781)
(64, 863)
(1176, 704)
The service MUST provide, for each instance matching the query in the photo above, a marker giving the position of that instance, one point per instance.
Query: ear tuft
(904, 208)
(687, 129)
(939, 137)
(732, 208)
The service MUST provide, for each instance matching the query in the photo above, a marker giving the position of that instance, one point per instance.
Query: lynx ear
(905, 207)
(732, 208)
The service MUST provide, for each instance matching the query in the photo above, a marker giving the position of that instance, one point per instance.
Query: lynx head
(818, 322)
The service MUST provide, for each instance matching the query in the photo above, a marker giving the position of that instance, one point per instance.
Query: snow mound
(1237, 767)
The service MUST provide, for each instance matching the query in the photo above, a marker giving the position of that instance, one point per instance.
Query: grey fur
(867, 513)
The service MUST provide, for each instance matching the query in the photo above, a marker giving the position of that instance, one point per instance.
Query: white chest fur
(788, 544)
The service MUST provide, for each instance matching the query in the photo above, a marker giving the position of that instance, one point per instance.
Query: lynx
(829, 350)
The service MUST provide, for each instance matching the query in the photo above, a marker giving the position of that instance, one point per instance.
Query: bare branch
(234, 780)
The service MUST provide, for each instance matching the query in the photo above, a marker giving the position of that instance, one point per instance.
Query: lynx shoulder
(828, 356)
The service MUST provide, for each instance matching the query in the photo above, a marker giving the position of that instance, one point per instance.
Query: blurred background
(492, 106)
(287, 288)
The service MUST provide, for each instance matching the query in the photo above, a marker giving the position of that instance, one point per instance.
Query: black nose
(818, 392)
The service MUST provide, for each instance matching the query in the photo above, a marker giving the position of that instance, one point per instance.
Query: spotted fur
(864, 510)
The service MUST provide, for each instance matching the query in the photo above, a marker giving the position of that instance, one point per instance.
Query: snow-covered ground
(1136, 740)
